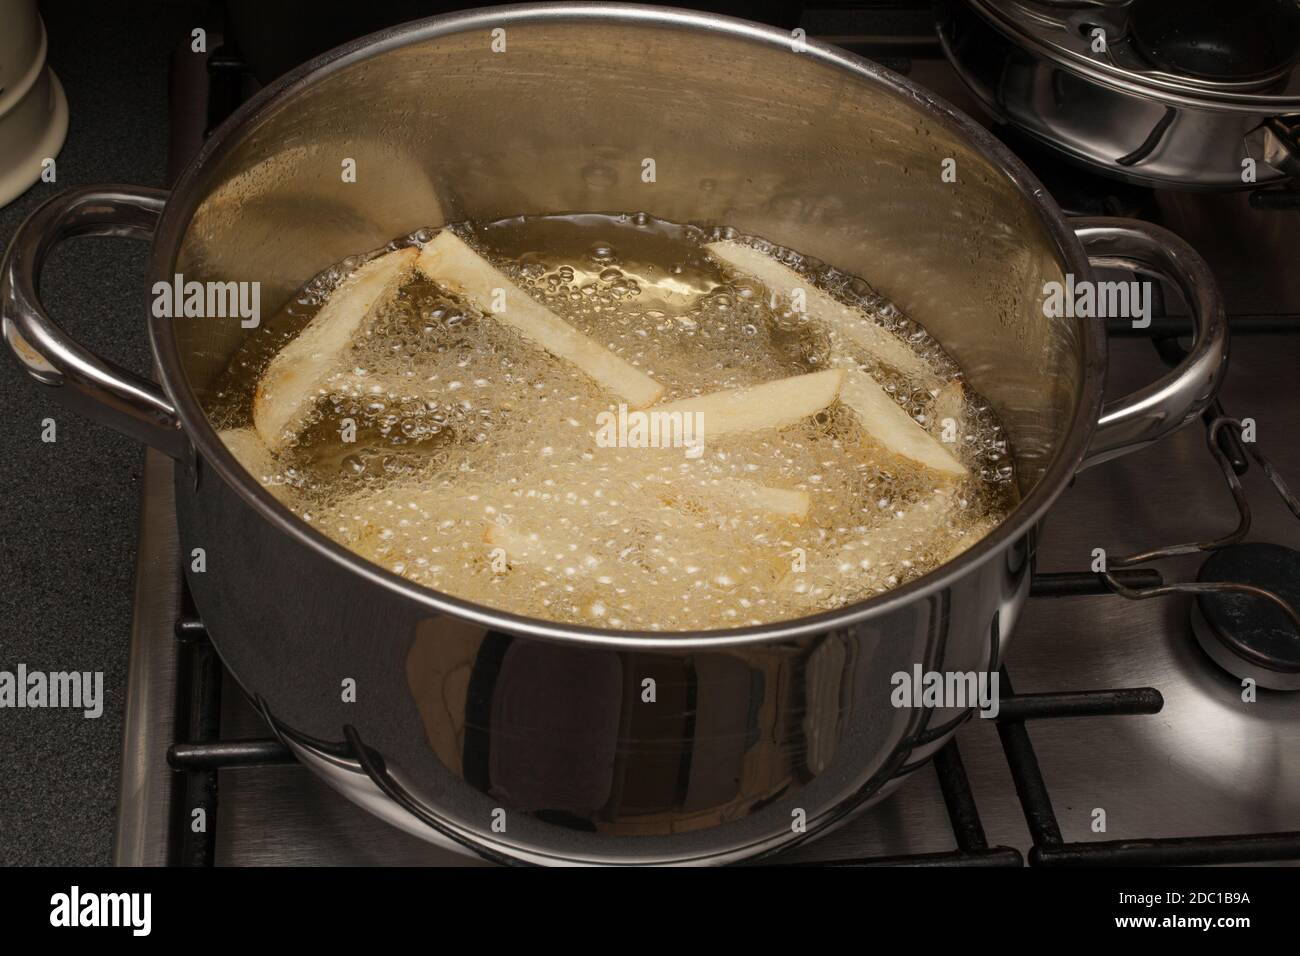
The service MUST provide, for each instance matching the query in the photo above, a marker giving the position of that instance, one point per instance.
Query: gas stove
(1125, 733)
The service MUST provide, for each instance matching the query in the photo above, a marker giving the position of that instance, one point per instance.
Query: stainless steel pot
(1148, 107)
(526, 740)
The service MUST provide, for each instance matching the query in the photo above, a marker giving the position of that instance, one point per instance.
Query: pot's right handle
(1169, 403)
(80, 379)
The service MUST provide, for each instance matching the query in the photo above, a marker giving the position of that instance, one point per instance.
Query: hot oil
(441, 427)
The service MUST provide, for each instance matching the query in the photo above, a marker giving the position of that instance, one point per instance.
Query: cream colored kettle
(33, 109)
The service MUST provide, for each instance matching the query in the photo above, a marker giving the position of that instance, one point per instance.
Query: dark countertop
(68, 525)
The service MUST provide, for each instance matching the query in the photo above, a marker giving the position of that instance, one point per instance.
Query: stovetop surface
(1208, 763)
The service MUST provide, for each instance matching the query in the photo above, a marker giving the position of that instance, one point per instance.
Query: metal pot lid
(1240, 55)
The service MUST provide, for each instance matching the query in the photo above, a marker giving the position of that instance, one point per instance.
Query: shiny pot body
(523, 740)
(1032, 66)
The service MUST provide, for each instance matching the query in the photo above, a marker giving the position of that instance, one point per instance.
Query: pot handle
(1170, 402)
(81, 380)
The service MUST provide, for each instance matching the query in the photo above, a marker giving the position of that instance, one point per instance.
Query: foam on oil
(461, 424)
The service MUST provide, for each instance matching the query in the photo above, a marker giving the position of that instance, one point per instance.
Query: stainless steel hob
(1203, 764)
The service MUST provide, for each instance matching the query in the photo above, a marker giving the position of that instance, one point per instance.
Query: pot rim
(203, 437)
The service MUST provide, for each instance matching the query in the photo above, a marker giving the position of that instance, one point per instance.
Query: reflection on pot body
(529, 740)
(469, 720)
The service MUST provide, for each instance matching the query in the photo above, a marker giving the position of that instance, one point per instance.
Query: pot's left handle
(1150, 413)
(91, 385)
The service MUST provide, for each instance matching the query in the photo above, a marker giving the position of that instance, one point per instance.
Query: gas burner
(1249, 636)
